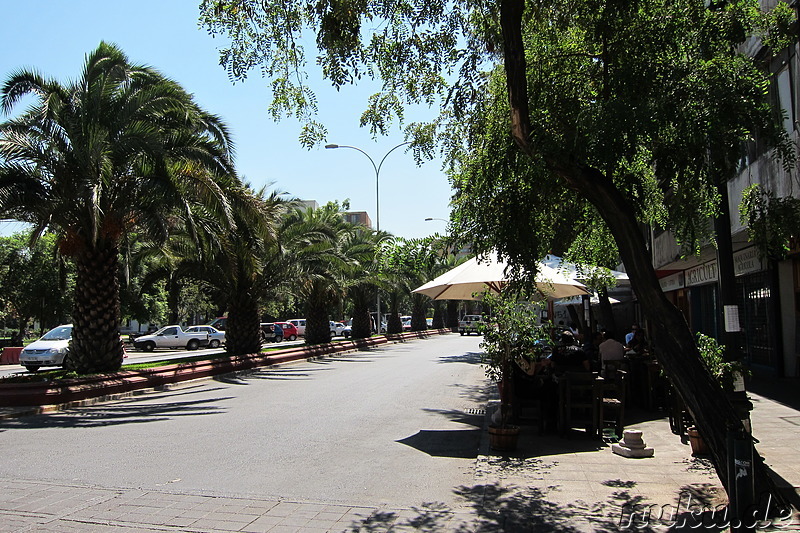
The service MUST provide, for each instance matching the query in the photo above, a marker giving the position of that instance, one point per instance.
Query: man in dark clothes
(568, 356)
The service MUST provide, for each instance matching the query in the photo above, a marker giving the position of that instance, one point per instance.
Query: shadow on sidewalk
(781, 390)
(512, 509)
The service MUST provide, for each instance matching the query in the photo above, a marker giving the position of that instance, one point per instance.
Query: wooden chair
(611, 412)
(527, 399)
(578, 402)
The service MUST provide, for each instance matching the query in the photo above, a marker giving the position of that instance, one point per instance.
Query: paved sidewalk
(548, 484)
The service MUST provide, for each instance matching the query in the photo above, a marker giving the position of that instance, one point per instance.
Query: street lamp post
(377, 200)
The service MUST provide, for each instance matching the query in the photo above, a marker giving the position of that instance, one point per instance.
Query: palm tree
(360, 280)
(120, 149)
(249, 265)
(316, 237)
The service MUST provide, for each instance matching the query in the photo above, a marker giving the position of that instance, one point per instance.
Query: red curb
(74, 390)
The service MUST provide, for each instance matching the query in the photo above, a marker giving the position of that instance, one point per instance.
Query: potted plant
(512, 331)
(727, 373)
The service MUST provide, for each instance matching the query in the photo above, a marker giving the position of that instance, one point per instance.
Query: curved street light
(377, 199)
(377, 174)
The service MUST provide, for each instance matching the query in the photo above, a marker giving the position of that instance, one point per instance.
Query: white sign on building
(702, 274)
(747, 261)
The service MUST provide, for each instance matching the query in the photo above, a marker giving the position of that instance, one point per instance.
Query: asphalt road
(397, 424)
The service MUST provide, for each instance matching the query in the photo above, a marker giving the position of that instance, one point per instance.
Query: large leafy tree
(635, 108)
(122, 148)
(34, 281)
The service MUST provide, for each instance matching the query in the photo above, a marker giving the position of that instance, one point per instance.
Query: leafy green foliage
(770, 221)
(35, 284)
(513, 331)
(713, 354)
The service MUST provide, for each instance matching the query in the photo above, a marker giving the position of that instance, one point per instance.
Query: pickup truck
(470, 324)
(171, 337)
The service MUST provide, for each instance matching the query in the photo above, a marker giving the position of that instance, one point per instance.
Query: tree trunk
(361, 327)
(452, 315)
(243, 330)
(438, 315)
(419, 306)
(606, 312)
(673, 341)
(318, 327)
(394, 325)
(96, 345)
(173, 297)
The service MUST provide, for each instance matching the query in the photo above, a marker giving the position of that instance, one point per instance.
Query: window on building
(783, 80)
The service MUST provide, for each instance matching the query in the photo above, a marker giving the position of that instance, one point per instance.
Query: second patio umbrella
(471, 279)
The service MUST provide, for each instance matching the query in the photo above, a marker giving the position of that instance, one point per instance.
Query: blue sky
(55, 36)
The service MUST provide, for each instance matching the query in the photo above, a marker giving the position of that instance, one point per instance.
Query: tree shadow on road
(117, 414)
(472, 358)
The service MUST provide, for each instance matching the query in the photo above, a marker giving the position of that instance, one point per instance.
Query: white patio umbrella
(471, 279)
(577, 300)
(579, 272)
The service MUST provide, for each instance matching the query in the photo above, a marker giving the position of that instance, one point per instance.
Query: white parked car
(50, 350)
(470, 324)
(171, 337)
(337, 329)
(300, 324)
(215, 336)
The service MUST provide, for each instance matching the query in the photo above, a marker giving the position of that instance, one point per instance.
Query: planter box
(10, 355)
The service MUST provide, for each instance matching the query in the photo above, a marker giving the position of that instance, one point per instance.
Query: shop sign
(747, 261)
(705, 273)
(672, 282)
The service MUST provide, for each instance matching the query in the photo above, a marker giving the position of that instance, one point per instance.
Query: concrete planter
(100, 385)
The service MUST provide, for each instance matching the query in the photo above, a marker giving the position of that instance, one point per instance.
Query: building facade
(768, 291)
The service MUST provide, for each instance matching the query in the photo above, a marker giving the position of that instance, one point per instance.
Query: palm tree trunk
(242, 333)
(394, 325)
(452, 315)
(418, 307)
(173, 297)
(361, 327)
(318, 328)
(96, 345)
(438, 315)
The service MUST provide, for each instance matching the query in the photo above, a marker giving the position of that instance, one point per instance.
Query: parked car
(271, 332)
(289, 331)
(336, 328)
(347, 332)
(407, 325)
(171, 337)
(215, 336)
(470, 324)
(300, 324)
(219, 323)
(52, 349)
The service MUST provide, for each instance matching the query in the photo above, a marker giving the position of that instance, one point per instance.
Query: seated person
(568, 356)
(592, 349)
(629, 336)
(611, 349)
(638, 344)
